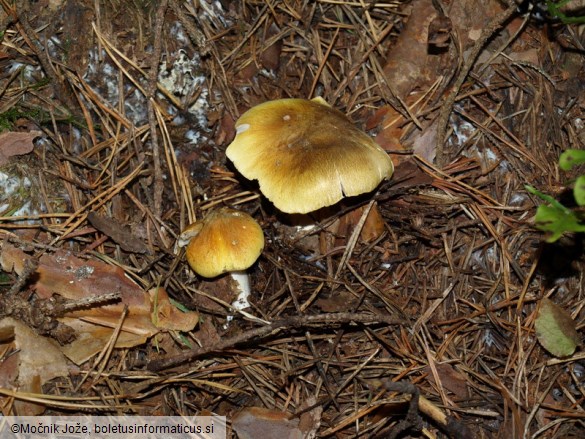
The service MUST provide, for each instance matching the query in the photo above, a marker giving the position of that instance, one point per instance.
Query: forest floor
(406, 312)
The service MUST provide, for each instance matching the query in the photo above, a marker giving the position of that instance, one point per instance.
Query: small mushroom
(305, 154)
(226, 240)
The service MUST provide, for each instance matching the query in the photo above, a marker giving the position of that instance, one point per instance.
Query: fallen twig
(153, 74)
(272, 329)
(419, 403)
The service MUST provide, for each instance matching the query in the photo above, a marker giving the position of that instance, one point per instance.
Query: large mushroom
(305, 154)
(226, 240)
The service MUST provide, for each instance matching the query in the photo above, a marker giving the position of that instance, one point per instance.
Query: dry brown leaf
(167, 316)
(36, 360)
(257, 422)
(222, 288)
(91, 339)
(470, 17)
(76, 279)
(374, 225)
(270, 57)
(529, 56)
(414, 64)
(372, 228)
(15, 143)
(409, 64)
(310, 421)
(439, 32)
(391, 130)
(226, 129)
(451, 379)
(408, 175)
(424, 142)
(119, 233)
(340, 301)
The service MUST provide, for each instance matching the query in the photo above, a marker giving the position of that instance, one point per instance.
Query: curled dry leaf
(167, 316)
(76, 279)
(409, 64)
(372, 229)
(119, 233)
(439, 32)
(35, 361)
(270, 57)
(423, 142)
(258, 422)
(15, 143)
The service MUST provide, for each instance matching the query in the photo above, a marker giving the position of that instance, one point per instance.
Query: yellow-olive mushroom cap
(225, 240)
(305, 154)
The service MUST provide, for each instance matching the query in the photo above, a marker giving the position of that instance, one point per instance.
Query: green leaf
(579, 191)
(554, 203)
(556, 330)
(179, 305)
(185, 341)
(570, 158)
(557, 221)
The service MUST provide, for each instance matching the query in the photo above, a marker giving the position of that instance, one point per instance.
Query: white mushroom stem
(243, 281)
(241, 303)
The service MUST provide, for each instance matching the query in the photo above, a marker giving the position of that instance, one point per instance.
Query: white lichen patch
(15, 195)
(180, 75)
(200, 107)
(11, 183)
(102, 76)
(183, 77)
(30, 73)
(194, 136)
(178, 33)
(463, 131)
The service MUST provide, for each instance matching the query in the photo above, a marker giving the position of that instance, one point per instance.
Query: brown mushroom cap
(305, 154)
(225, 240)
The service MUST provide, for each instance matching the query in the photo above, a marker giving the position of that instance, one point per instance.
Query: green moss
(9, 117)
(554, 9)
(39, 116)
(4, 278)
